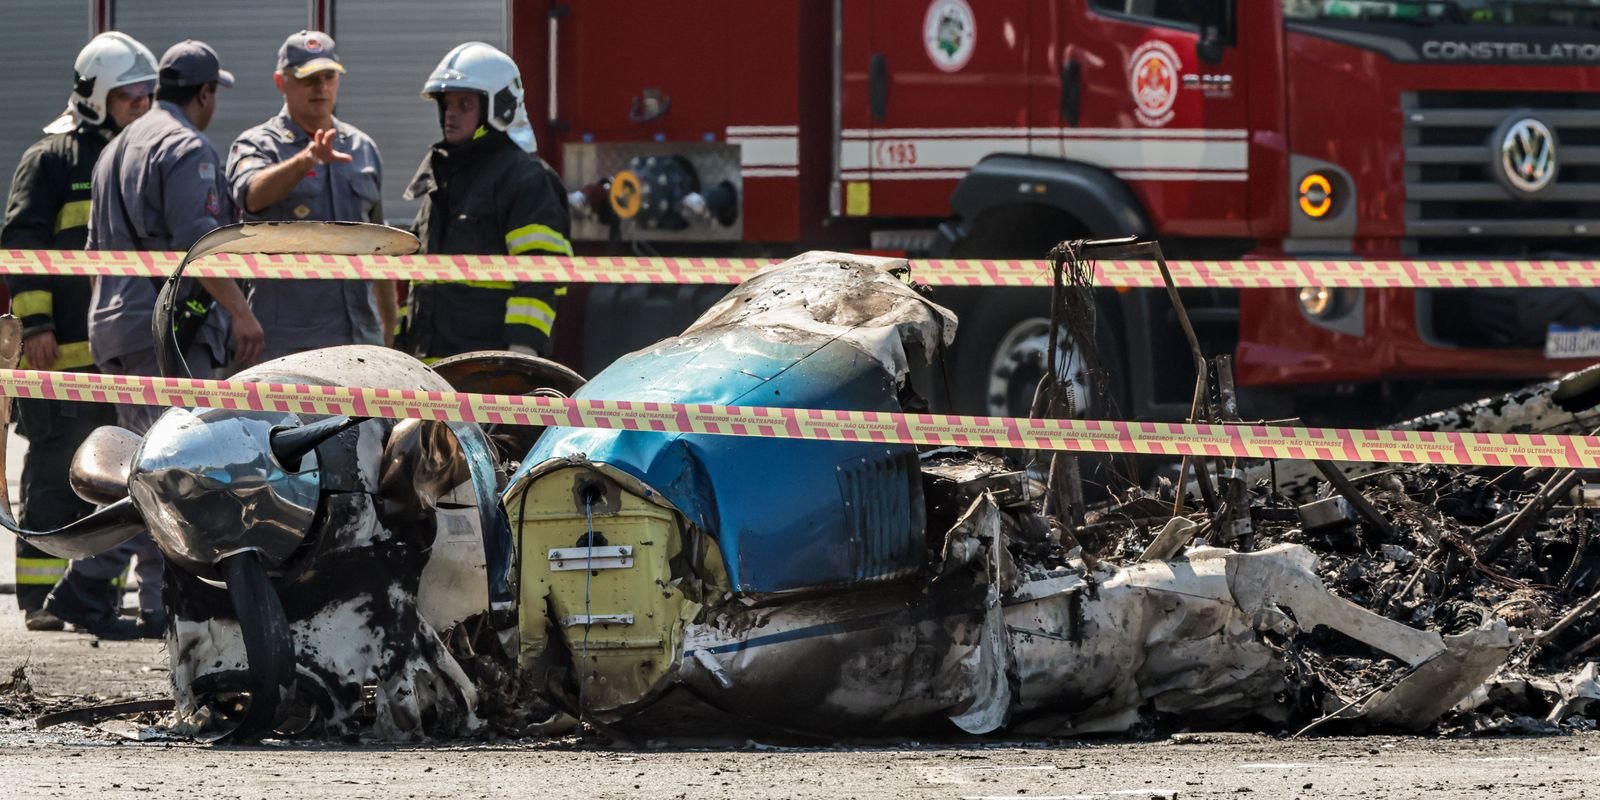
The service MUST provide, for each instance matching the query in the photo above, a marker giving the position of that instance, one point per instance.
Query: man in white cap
(306, 164)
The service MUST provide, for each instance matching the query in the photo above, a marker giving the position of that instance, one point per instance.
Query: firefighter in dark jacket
(48, 208)
(484, 191)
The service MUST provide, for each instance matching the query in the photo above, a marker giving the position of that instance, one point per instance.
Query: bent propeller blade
(270, 238)
(96, 533)
(304, 237)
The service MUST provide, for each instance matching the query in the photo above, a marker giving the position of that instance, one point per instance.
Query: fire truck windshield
(1497, 13)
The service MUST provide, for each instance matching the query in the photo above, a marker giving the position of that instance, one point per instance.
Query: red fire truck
(1227, 128)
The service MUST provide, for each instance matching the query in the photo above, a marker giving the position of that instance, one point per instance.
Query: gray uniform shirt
(300, 315)
(158, 186)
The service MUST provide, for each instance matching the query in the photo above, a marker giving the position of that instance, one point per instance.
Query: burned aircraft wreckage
(312, 561)
(418, 578)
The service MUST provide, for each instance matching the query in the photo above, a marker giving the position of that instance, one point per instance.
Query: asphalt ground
(122, 759)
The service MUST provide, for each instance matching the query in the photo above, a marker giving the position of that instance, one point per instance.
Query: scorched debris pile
(657, 583)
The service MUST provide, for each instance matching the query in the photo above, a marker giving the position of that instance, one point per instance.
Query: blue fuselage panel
(787, 514)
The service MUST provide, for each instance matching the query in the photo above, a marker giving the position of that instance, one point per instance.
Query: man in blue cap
(159, 187)
(306, 164)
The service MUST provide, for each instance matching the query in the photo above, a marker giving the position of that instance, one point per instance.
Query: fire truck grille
(1459, 200)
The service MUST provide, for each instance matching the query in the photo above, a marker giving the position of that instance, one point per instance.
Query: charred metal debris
(892, 589)
(1457, 552)
(433, 580)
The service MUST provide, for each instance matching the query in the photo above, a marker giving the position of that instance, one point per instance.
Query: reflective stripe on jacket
(486, 197)
(48, 209)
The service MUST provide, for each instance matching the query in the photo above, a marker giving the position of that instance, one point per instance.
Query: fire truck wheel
(1018, 364)
(1003, 351)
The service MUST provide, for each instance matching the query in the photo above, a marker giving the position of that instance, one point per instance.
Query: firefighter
(484, 191)
(304, 163)
(157, 187)
(114, 77)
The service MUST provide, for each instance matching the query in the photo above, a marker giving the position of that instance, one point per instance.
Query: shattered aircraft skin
(1569, 405)
(397, 510)
(682, 520)
(690, 584)
(311, 559)
(384, 535)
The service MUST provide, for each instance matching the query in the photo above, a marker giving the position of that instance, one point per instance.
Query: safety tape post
(1242, 274)
(1151, 438)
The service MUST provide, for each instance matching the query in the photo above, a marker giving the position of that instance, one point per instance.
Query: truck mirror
(1215, 19)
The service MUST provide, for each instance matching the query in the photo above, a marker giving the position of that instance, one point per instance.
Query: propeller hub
(208, 485)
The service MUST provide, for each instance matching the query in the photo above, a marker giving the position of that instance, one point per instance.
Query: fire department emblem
(1528, 155)
(949, 33)
(1154, 80)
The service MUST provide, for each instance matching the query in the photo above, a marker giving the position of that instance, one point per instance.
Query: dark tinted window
(1163, 10)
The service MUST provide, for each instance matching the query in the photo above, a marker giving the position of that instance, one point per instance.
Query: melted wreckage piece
(708, 584)
(683, 583)
(312, 559)
(988, 648)
(1569, 404)
(397, 557)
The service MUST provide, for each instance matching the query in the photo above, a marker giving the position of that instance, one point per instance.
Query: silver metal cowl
(207, 485)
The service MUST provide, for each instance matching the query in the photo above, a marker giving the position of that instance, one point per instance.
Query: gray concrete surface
(80, 762)
(69, 663)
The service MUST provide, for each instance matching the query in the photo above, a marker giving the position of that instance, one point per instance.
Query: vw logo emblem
(1528, 155)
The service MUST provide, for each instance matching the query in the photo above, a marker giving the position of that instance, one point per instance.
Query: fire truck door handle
(556, 13)
(878, 75)
(1071, 91)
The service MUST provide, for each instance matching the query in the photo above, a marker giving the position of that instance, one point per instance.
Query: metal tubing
(1357, 500)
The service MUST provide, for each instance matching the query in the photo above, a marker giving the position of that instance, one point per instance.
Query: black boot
(85, 609)
(38, 619)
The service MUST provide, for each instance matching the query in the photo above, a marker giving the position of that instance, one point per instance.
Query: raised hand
(321, 148)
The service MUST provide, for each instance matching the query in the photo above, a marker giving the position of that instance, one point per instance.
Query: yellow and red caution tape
(1156, 438)
(1243, 274)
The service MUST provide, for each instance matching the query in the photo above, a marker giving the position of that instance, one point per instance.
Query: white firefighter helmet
(482, 68)
(108, 61)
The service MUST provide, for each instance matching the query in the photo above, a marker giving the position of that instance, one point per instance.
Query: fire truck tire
(1000, 349)
(1092, 198)
(1001, 353)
